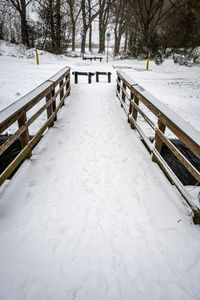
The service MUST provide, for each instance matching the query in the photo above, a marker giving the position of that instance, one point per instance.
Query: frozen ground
(83, 220)
(89, 216)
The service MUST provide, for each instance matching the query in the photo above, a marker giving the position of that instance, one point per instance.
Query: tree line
(137, 26)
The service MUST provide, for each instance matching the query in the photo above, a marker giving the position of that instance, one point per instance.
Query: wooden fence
(53, 93)
(136, 100)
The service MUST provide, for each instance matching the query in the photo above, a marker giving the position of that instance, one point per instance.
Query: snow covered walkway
(90, 217)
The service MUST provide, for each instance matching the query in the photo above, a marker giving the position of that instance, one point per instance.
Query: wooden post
(49, 109)
(158, 140)
(130, 108)
(68, 84)
(54, 103)
(89, 77)
(134, 111)
(123, 94)
(75, 77)
(109, 76)
(62, 91)
(24, 137)
(118, 87)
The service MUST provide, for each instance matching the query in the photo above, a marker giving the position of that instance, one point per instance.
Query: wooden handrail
(18, 112)
(166, 118)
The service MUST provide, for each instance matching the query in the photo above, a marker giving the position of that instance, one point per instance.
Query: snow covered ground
(82, 219)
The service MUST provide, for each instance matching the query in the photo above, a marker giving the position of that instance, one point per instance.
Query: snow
(89, 216)
(184, 126)
(89, 222)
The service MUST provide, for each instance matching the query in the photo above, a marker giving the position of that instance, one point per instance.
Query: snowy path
(90, 217)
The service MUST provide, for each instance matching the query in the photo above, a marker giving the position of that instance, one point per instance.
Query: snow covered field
(89, 216)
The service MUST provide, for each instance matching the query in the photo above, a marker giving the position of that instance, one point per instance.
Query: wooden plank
(126, 78)
(158, 140)
(141, 132)
(14, 164)
(59, 75)
(12, 139)
(122, 103)
(10, 114)
(124, 91)
(175, 180)
(179, 156)
(13, 112)
(192, 144)
(150, 122)
(168, 143)
(17, 134)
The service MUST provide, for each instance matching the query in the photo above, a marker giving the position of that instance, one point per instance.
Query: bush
(159, 57)
(187, 57)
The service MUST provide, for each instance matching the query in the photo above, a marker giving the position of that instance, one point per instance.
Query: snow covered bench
(93, 58)
(88, 58)
(103, 73)
(76, 74)
(98, 58)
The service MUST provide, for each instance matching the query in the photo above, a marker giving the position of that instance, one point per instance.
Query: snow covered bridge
(89, 216)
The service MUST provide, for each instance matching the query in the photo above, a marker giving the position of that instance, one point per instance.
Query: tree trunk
(73, 35)
(102, 32)
(51, 12)
(58, 49)
(126, 41)
(90, 38)
(24, 29)
(84, 24)
(118, 35)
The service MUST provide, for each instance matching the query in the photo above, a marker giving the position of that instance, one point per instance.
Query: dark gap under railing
(9, 155)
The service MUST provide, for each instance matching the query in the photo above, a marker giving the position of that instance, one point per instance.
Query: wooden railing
(53, 93)
(136, 100)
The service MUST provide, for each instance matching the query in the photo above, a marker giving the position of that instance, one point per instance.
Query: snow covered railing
(131, 95)
(26, 110)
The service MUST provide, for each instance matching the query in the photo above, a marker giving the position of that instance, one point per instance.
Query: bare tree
(74, 12)
(147, 17)
(119, 11)
(54, 23)
(20, 6)
(104, 18)
(89, 12)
